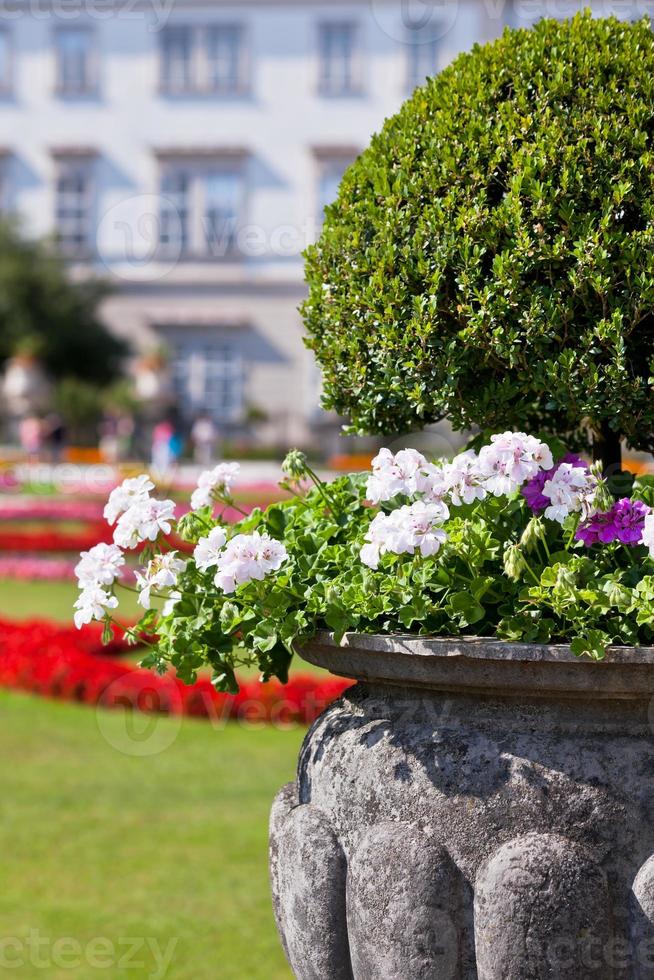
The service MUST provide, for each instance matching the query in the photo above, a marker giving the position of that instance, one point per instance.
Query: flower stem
(573, 531)
(530, 570)
(322, 488)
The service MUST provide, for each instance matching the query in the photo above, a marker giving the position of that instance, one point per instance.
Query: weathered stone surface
(642, 922)
(403, 925)
(541, 909)
(309, 874)
(475, 827)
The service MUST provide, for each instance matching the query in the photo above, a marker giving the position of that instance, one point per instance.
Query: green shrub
(45, 312)
(490, 256)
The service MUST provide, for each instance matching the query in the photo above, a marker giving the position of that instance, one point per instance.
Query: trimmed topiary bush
(490, 256)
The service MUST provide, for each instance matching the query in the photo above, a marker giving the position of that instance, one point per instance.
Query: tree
(490, 257)
(41, 309)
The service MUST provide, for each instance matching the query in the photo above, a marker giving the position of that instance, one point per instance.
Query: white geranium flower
(248, 557)
(410, 528)
(463, 479)
(144, 521)
(207, 550)
(99, 566)
(510, 460)
(134, 490)
(220, 479)
(648, 533)
(567, 489)
(407, 472)
(170, 603)
(92, 604)
(161, 573)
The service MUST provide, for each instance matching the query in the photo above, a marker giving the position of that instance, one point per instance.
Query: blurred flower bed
(49, 540)
(59, 662)
(19, 508)
(41, 535)
(26, 568)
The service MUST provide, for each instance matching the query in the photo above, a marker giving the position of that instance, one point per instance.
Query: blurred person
(55, 435)
(108, 441)
(30, 433)
(203, 437)
(176, 444)
(124, 436)
(116, 432)
(162, 435)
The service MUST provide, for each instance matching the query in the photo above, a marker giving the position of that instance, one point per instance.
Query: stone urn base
(471, 809)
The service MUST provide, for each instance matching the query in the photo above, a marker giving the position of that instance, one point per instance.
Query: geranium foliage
(490, 256)
(507, 542)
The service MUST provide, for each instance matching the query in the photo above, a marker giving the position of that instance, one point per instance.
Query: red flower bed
(67, 541)
(90, 534)
(60, 662)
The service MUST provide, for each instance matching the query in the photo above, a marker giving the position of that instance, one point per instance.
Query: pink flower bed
(31, 568)
(49, 509)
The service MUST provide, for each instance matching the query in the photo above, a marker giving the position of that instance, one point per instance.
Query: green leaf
(593, 644)
(465, 608)
(264, 636)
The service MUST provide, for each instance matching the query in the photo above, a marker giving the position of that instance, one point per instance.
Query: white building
(185, 149)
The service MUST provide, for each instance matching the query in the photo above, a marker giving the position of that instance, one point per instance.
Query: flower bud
(534, 531)
(601, 498)
(295, 464)
(514, 562)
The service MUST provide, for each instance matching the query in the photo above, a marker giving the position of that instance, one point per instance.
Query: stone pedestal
(471, 809)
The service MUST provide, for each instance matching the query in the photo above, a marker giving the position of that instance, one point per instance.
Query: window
(201, 208)
(225, 61)
(338, 59)
(220, 192)
(173, 233)
(176, 66)
(5, 61)
(208, 377)
(330, 174)
(423, 59)
(203, 60)
(73, 215)
(75, 61)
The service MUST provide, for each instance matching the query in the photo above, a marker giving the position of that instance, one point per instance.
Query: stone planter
(471, 809)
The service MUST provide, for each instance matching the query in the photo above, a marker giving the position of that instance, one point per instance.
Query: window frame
(91, 86)
(84, 164)
(204, 342)
(240, 85)
(327, 88)
(198, 82)
(165, 85)
(326, 158)
(195, 244)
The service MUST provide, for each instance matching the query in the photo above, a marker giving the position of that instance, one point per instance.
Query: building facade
(185, 149)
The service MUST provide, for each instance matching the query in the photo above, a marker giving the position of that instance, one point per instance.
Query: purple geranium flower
(624, 523)
(533, 489)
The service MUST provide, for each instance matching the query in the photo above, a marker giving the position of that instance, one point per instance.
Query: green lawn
(99, 843)
(50, 600)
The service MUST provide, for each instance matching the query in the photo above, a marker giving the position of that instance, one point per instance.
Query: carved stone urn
(471, 809)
